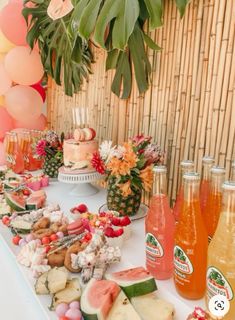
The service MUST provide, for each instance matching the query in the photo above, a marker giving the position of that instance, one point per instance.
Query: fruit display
(199, 314)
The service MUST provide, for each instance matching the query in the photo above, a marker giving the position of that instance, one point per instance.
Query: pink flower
(153, 154)
(40, 148)
(139, 139)
(98, 163)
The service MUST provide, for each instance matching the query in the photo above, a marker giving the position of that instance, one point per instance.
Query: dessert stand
(81, 182)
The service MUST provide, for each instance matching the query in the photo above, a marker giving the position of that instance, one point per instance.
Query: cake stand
(81, 181)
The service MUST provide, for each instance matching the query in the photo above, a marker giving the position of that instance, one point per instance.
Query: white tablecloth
(17, 301)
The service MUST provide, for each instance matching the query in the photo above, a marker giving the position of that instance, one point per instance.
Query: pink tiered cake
(78, 151)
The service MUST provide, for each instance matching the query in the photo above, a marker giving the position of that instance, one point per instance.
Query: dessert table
(17, 297)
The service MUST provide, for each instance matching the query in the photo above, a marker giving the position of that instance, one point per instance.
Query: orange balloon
(5, 80)
(24, 66)
(38, 124)
(23, 103)
(13, 24)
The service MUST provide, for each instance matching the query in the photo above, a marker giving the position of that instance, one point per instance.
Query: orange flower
(118, 167)
(146, 175)
(125, 188)
(131, 158)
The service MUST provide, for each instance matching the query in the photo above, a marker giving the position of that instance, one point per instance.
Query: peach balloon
(23, 103)
(5, 44)
(5, 80)
(38, 124)
(2, 100)
(24, 66)
(6, 122)
(2, 154)
(13, 24)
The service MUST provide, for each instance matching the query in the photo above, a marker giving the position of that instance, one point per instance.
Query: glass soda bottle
(159, 227)
(24, 142)
(232, 176)
(190, 250)
(213, 205)
(207, 164)
(185, 166)
(221, 252)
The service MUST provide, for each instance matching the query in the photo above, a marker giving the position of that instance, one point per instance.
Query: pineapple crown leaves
(117, 26)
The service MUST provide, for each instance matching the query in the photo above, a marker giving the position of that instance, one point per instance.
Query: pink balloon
(2, 154)
(24, 66)
(5, 80)
(6, 122)
(40, 90)
(38, 124)
(12, 23)
(23, 103)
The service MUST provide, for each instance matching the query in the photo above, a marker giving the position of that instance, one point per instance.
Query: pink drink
(159, 239)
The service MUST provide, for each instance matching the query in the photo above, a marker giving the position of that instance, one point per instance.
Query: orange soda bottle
(35, 163)
(190, 250)
(221, 252)
(207, 163)
(213, 206)
(185, 166)
(24, 142)
(159, 227)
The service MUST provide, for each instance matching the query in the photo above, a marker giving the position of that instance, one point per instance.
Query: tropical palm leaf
(66, 58)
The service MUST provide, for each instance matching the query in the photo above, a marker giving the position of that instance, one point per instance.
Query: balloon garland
(21, 71)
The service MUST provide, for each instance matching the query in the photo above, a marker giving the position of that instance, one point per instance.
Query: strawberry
(118, 232)
(115, 221)
(102, 214)
(109, 232)
(82, 208)
(125, 221)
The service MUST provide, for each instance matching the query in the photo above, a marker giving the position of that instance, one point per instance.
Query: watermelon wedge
(35, 202)
(98, 298)
(15, 201)
(134, 282)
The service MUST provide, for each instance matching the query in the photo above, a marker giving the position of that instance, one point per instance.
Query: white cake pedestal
(81, 182)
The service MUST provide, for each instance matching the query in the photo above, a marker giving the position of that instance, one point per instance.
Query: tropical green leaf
(88, 18)
(150, 43)
(125, 14)
(155, 10)
(122, 76)
(181, 5)
(112, 59)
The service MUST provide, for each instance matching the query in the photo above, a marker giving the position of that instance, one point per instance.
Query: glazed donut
(39, 234)
(75, 248)
(57, 259)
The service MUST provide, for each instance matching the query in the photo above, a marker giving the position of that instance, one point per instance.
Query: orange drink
(221, 253)
(190, 250)
(14, 156)
(185, 166)
(213, 205)
(207, 163)
(160, 226)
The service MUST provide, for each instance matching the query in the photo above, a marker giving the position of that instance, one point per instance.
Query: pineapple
(51, 166)
(124, 205)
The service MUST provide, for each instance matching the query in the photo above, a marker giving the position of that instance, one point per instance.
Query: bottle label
(153, 246)
(182, 261)
(218, 284)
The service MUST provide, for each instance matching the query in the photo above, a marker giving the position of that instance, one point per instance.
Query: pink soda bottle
(185, 166)
(159, 230)
(207, 164)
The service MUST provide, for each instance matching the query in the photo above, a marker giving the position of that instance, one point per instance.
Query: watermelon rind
(135, 288)
(13, 203)
(89, 316)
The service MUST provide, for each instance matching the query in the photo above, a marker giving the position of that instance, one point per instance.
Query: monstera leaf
(118, 26)
(65, 58)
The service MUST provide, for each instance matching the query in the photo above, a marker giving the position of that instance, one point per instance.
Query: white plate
(142, 212)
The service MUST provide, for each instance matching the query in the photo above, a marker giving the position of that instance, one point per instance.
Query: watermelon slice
(15, 201)
(134, 282)
(98, 298)
(35, 202)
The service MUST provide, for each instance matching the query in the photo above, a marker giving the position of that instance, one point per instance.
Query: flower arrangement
(129, 165)
(50, 148)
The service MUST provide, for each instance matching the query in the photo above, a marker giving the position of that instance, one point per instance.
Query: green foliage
(117, 26)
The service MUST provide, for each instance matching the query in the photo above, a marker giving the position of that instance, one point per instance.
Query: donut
(39, 234)
(74, 248)
(57, 259)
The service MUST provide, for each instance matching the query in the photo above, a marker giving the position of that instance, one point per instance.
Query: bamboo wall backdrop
(190, 106)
